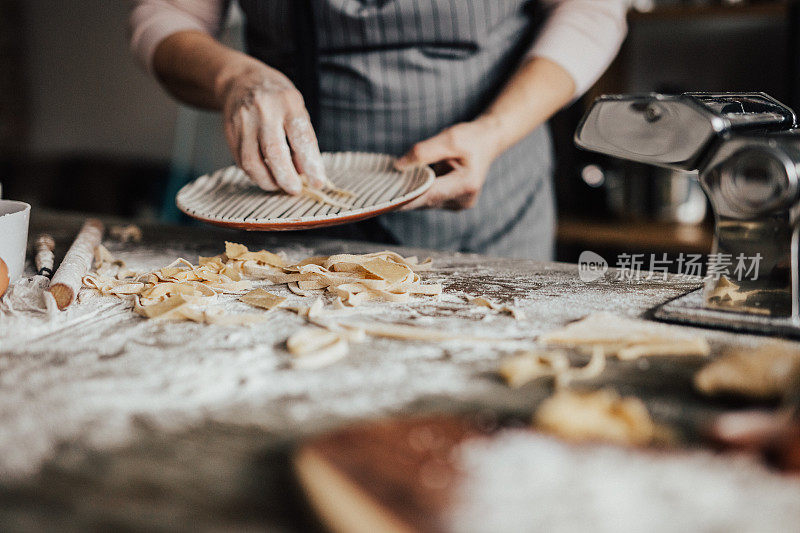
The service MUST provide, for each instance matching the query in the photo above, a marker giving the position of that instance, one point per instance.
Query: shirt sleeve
(152, 21)
(583, 36)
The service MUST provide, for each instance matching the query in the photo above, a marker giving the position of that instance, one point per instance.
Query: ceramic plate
(228, 198)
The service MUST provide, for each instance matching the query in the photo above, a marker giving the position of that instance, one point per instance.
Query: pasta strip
(328, 187)
(315, 347)
(601, 416)
(627, 338)
(184, 291)
(263, 299)
(511, 310)
(528, 366)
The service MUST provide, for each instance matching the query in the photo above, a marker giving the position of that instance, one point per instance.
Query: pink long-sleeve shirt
(582, 36)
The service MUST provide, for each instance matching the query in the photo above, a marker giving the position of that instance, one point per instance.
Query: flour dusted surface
(521, 481)
(87, 372)
(112, 400)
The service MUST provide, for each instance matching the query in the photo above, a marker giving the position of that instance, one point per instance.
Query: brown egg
(3, 277)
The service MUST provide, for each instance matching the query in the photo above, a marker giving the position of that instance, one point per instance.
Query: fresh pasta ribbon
(184, 291)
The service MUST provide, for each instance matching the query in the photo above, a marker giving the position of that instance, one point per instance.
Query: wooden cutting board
(399, 476)
(389, 476)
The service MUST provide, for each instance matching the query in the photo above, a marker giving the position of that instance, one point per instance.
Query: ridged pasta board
(229, 198)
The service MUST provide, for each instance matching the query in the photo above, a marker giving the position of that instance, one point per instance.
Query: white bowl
(14, 218)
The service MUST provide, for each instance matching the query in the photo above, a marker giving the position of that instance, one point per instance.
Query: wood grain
(392, 475)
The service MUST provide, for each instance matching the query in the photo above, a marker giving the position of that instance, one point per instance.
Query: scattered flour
(521, 481)
(86, 374)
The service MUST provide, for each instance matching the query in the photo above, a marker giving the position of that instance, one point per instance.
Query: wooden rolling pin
(68, 278)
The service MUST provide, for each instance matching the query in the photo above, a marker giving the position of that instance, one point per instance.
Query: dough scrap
(515, 312)
(311, 312)
(234, 250)
(106, 264)
(382, 276)
(239, 252)
(627, 338)
(184, 291)
(323, 195)
(162, 308)
(601, 416)
(415, 333)
(355, 279)
(179, 308)
(323, 198)
(262, 299)
(295, 288)
(330, 186)
(527, 366)
(102, 255)
(218, 317)
(767, 372)
(315, 347)
(124, 234)
(389, 271)
(335, 346)
(727, 294)
(178, 291)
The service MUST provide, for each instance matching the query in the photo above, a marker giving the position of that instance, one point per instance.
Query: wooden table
(111, 421)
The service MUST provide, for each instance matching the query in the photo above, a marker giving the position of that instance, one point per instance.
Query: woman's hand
(461, 155)
(538, 89)
(266, 122)
(268, 129)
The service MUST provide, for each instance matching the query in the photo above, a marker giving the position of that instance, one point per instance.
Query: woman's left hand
(461, 155)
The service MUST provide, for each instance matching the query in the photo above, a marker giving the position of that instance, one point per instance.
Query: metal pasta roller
(746, 149)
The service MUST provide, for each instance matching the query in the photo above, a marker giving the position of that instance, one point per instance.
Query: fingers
(270, 134)
(278, 158)
(248, 153)
(455, 191)
(462, 148)
(428, 152)
(304, 146)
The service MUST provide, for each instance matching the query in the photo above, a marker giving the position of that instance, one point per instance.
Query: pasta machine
(745, 148)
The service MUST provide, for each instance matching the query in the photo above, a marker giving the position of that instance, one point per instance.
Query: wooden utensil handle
(44, 246)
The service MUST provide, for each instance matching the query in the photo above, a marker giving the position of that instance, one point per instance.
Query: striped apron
(381, 75)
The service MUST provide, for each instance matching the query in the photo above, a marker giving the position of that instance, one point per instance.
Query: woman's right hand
(269, 130)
